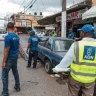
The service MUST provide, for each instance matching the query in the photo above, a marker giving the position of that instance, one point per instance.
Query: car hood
(62, 54)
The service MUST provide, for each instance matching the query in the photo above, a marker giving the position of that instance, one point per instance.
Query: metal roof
(52, 19)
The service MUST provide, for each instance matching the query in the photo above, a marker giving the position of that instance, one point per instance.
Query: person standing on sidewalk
(81, 58)
(10, 59)
(32, 48)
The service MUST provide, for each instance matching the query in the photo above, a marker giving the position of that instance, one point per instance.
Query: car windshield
(62, 45)
(3, 32)
(44, 38)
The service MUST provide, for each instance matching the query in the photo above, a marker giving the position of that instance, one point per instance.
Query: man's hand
(27, 51)
(3, 65)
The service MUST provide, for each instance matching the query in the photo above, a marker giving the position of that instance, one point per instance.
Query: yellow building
(24, 20)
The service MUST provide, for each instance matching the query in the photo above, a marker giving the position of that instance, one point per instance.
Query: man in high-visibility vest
(54, 34)
(81, 58)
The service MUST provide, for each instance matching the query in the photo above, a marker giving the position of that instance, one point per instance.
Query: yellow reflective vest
(83, 67)
(54, 34)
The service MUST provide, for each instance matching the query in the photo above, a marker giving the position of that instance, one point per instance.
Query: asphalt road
(33, 82)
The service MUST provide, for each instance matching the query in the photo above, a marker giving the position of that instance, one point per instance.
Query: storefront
(74, 17)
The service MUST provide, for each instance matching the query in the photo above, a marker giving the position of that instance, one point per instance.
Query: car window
(43, 43)
(48, 44)
(62, 45)
(3, 32)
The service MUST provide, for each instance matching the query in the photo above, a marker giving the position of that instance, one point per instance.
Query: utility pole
(63, 27)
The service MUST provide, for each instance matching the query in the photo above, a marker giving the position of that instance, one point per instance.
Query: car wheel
(48, 67)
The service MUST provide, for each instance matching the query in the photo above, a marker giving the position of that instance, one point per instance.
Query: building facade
(25, 20)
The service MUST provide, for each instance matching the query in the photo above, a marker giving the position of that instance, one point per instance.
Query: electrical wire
(34, 2)
(43, 4)
(31, 5)
(21, 5)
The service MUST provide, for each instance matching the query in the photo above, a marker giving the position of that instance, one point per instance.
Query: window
(62, 45)
(43, 43)
(17, 17)
(29, 17)
(48, 44)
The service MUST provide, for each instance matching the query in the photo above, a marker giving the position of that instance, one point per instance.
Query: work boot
(4, 94)
(17, 89)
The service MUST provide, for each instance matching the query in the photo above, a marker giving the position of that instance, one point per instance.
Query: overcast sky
(48, 7)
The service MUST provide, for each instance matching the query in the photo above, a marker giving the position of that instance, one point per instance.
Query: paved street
(33, 82)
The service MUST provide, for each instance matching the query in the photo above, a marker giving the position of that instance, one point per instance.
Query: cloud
(47, 3)
(51, 11)
(46, 6)
(8, 7)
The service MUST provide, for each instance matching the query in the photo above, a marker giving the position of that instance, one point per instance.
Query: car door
(60, 49)
(48, 49)
(45, 50)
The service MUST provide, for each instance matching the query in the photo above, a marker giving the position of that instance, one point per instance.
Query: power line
(43, 4)
(31, 5)
(21, 5)
(34, 2)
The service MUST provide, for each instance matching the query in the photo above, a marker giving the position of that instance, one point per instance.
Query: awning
(91, 13)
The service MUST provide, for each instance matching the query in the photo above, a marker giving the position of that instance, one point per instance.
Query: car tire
(48, 67)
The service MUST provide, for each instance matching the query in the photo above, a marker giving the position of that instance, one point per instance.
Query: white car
(41, 35)
(3, 33)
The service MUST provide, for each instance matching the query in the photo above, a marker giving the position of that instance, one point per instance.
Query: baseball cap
(32, 31)
(87, 28)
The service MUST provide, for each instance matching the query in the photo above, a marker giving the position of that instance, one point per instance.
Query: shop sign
(76, 15)
(73, 15)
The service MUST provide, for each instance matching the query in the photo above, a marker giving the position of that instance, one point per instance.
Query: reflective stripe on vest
(83, 70)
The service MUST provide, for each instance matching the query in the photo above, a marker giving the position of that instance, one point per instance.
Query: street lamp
(63, 27)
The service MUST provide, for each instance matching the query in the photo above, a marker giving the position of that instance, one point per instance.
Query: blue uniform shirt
(12, 41)
(71, 35)
(34, 40)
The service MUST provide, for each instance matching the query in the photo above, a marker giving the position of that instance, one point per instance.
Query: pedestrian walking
(10, 59)
(32, 48)
(81, 58)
